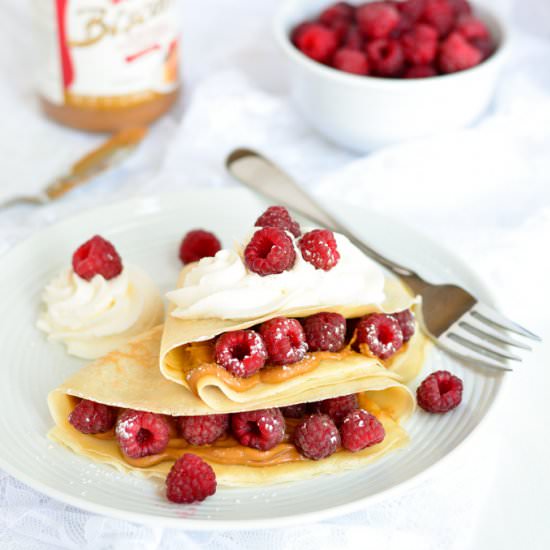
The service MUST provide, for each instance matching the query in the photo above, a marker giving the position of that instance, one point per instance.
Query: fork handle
(266, 178)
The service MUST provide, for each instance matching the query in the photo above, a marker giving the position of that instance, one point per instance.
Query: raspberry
(381, 333)
(317, 437)
(338, 407)
(484, 45)
(294, 36)
(341, 11)
(263, 429)
(360, 430)
(241, 352)
(89, 417)
(284, 340)
(190, 479)
(202, 430)
(325, 331)
(141, 433)
(386, 57)
(420, 44)
(353, 39)
(471, 28)
(278, 216)
(319, 248)
(351, 61)
(461, 7)
(377, 19)
(420, 71)
(198, 244)
(405, 25)
(457, 54)
(439, 392)
(440, 14)
(97, 257)
(412, 9)
(294, 411)
(270, 251)
(317, 42)
(405, 319)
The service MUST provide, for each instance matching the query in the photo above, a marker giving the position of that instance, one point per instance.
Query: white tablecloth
(484, 192)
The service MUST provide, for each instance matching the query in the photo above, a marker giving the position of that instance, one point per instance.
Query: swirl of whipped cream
(95, 317)
(222, 287)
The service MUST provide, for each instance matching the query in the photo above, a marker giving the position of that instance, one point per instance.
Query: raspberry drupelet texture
(89, 417)
(381, 333)
(294, 411)
(203, 430)
(340, 11)
(319, 248)
(141, 433)
(377, 19)
(241, 352)
(360, 429)
(317, 437)
(440, 392)
(191, 479)
(457, 54)
(471, 28)
(198, 244)
(411, 9)
(284, 340)
(317, 41)
(351, 61)
(269, 252)
(405, 319)
(353, 39)
(262, 429)
(278, 216)
(97, 257)
(338, 407)
(325, 331)
(385, 57)
(440, 14)
(420, 44)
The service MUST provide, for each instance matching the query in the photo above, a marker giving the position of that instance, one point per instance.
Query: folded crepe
(130, 378)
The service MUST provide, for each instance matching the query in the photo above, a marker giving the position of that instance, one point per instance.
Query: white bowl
(363, 113)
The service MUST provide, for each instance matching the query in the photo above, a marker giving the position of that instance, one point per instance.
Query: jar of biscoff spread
(106, 65)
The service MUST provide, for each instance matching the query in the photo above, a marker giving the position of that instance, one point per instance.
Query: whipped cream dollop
(222, 286)
(95, 317)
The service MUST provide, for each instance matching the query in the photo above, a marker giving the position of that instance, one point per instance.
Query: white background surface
(483, 192)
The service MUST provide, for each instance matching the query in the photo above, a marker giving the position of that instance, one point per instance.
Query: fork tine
(482, 349)
(486, 332)
(482, 344)
(489, 316)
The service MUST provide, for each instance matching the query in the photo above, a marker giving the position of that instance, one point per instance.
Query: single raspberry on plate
(337, 12)
(351, 61)
(385, 57)
(420, 71)
(241, 352)
(457, 54)
(316, 437)
(360, 429)
(471, 27)
(203, 430)
(377, 19)
(294, 411)
(89, 417)
(325, 331)
(317, 42)
(381, 333)
(440, 392)
(261, 429)
(319, 248)
(270, 251)
(353, 39)
(190, 479)
(338, 407)
(278, 216)
(97, 257)
(405, 319)
(440, 14)
(412, 9)
(198, 244)
(141, 433)
(420, 44)
(284, 340)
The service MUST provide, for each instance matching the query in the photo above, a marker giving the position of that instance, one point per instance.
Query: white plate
(147, 232)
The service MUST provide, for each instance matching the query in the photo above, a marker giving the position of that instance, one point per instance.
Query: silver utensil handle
(262, 176)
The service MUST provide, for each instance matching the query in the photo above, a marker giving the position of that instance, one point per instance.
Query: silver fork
(450, 315)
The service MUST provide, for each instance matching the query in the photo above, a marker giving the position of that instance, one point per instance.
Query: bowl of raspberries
(371, 74)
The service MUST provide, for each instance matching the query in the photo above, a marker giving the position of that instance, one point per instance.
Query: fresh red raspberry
(97, 257)
(340, 11)
(412, 9)
(198, 244)
(294, 36)
(325, 331)
(141, 433)
(317, 42)
(284, 340)
(278, 216)
(461, 7)
(353, 39)
(420, 71)
(385, 57)
(338, 407)
(439, 392)
(270, 251)
(457, 54)
(319, 248)
(405, 319)
(89, 417)
(360, 430)
(203, 430)
(471, 28)
(440, 14)
(351, 61)
(263, 429)
(241, 352)
(190, 479)
(405, 25)
(420, 44)
(381, 333)
(317, 436)
(294, 411)
(377, 19)
(484, 45)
